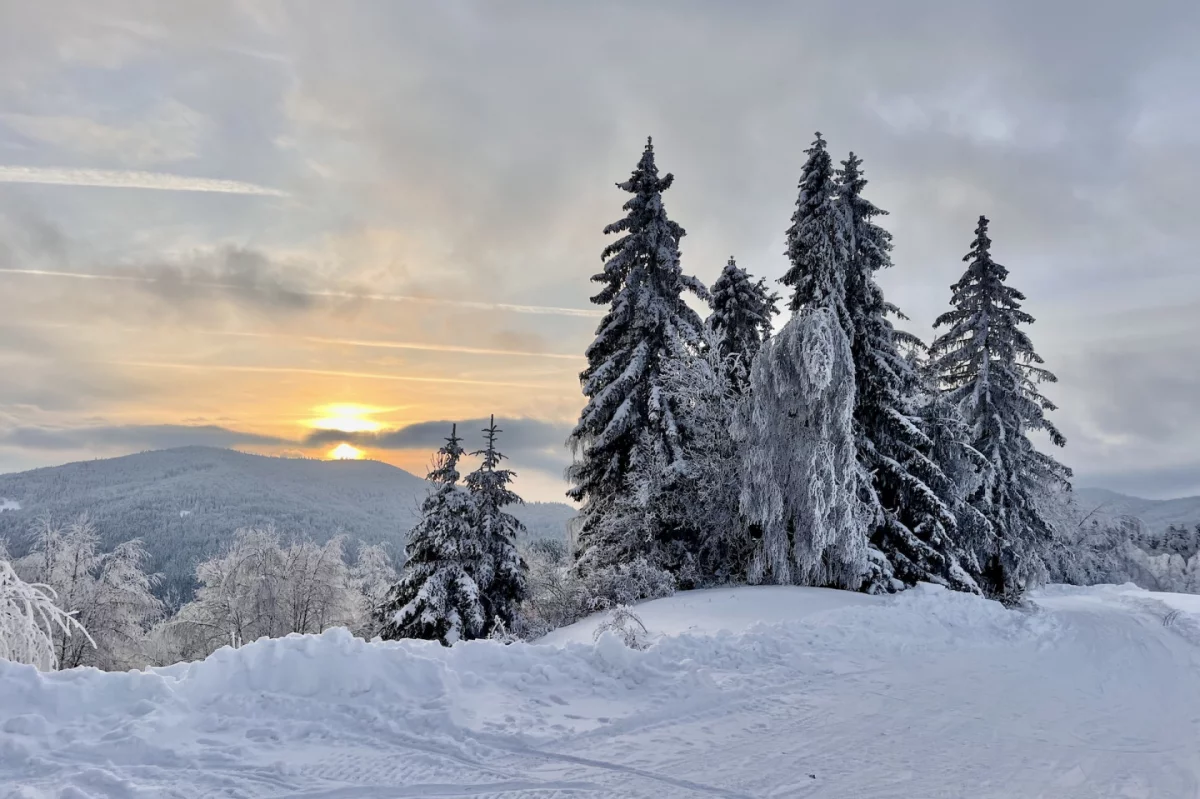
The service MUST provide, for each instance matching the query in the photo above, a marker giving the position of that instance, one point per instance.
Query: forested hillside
(1155, 514)
(184, 503)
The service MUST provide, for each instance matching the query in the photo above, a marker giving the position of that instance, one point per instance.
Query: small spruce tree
(437, 597)
(742, 314)
(502, 573)
(990, 371)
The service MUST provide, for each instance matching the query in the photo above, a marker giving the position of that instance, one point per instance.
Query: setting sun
(345, 452)
(346, 418)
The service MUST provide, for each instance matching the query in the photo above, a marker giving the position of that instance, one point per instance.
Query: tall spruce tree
(990, 371)
(914, 498)
(502, 573)
(437, 597)
(629, 414)
(741, 319)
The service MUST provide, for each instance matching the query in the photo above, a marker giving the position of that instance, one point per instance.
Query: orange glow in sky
(347, 418)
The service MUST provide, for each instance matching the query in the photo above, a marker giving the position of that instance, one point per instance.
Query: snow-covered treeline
(68, 603)
(838, 451)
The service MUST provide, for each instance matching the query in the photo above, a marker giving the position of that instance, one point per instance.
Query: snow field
(745, 692)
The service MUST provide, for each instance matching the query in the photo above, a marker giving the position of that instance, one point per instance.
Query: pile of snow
(744, 692)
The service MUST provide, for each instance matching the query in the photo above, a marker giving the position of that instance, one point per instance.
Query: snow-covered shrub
(555, 594)
(501, 634)
(626, 584)
(626, 624)
(30, 621)
(108, 593)
(559, 596)
(702, 502)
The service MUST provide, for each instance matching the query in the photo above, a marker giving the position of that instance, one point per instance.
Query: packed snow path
(929, 694)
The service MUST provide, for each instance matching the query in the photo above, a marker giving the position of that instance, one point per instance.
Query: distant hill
(1156, 514)
(184, 503)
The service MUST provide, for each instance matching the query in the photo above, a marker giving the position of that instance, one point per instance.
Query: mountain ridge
(1156, 514)
(183, 503)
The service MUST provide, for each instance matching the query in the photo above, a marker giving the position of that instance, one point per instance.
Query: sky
(289, 227)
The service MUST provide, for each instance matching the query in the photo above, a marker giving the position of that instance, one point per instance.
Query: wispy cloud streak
(542, 310)
(129, 179)
(347, 342)
(195, 367)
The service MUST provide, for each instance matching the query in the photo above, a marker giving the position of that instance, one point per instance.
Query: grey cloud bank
(467, 152)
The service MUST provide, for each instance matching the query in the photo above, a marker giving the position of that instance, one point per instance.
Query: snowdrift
(730, 671)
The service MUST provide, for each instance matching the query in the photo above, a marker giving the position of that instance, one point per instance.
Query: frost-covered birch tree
(372, 575)
(437, 597)
(108, 593)
(30, 621)
(502, 574)
(801, 484)
(259, 586)
(629, 416)
(990, 371)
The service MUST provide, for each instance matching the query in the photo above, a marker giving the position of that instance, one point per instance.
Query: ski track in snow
(928, 694)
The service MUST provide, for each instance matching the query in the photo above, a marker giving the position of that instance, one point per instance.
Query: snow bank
(268, 719)
(474, 683)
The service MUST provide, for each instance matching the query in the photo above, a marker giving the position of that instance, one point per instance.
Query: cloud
(130, 437)
(126, 179)
(298, 370)
(249, 272)
(169, 132)
(534, 443)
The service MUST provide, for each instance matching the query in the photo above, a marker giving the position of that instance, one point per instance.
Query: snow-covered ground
(748, 692)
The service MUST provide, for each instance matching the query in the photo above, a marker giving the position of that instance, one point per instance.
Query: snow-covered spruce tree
(801, 486)
(915, 522)
(741, 319)
(502, 573)
(951, 448)
(437, 597)
(990, 370)
(816, 240)
(628, 409)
